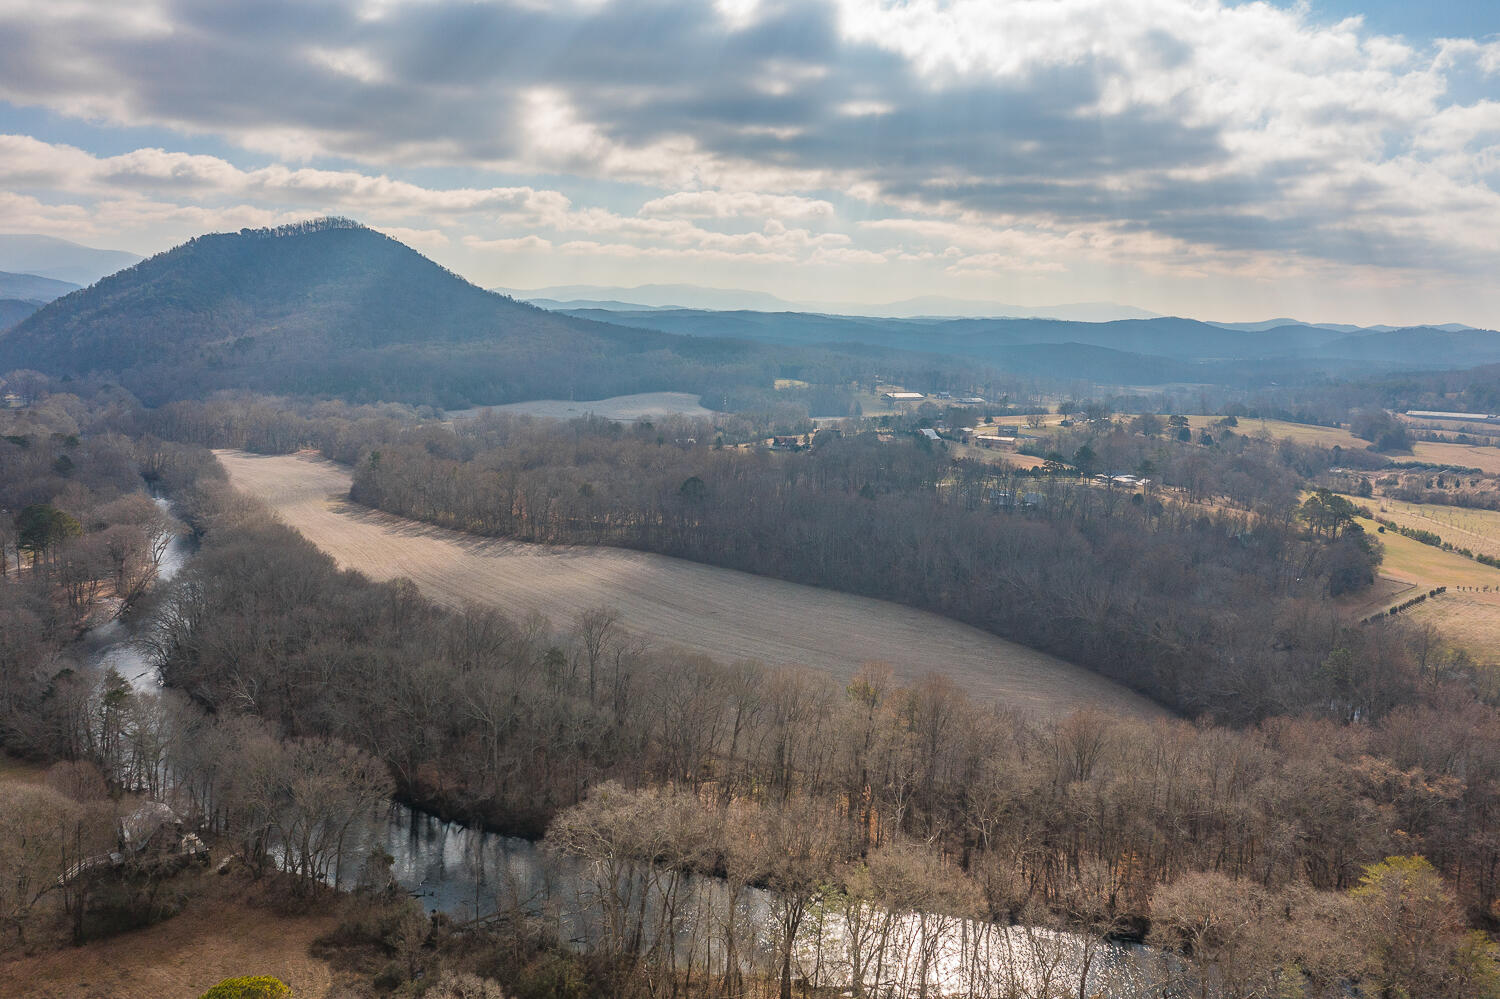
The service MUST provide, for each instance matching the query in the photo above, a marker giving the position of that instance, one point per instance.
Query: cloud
(1173, 136)
(26, 161)
(735, 204)
(520, 244)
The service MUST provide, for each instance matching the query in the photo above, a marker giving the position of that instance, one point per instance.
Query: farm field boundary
(727, 614)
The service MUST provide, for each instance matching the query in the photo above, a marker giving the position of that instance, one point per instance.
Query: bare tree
(596, 628)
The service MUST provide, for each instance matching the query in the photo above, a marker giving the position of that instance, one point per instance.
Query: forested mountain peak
(330, 280)
(327, 307)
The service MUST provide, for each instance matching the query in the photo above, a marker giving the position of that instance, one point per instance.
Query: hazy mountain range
(1128, 351)
(333, 308)
(23, 294)
(688, 296)
(49, 257)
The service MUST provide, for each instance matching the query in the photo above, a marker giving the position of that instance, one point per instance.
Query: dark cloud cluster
(784, 92)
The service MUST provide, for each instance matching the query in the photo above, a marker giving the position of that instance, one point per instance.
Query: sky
(1333, 160)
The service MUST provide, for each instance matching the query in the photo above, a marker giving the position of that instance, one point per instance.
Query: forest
(1329, 792)
(1170, 593)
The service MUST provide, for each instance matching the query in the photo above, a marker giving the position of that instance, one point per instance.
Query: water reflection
(469, 874)
(111, 645)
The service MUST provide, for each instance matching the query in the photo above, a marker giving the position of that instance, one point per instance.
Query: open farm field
(1467, 615)
(1477, 427)
(1476, 530)
(729, 615)
(1486, 459)
(993, 457)
(625, 408)
(1428, 566)
(1301, 433)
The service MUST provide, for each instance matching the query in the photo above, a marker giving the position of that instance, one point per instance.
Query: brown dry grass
(1476, 530)
(17, 771)
(1468, 617)
(1301, 433)
(994, 456)
(729, 615)
(1486, 459)
(215, 937)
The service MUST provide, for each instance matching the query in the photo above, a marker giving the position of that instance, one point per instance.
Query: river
(466, 873)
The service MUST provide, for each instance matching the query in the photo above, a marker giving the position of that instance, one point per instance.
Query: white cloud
(735, 204)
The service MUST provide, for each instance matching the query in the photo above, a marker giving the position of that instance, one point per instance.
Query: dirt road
(729, 615)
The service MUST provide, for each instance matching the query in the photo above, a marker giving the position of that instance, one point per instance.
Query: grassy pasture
(1301, 433)
(1467, 615)
(1476, 530)
(1486, 459)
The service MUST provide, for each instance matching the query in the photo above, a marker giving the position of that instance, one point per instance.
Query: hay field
(1486, 459)
(625, 408)
(729, 615)
(1476, 530)
(991, 456)
(1468, 615)
(1301, 433)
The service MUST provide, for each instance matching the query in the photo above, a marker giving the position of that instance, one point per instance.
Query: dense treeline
(85, 547)
(300, 694)
(1106, 821)
(1197, 606)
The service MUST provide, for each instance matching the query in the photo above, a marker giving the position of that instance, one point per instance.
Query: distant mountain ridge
(1140, 351)
(33, 288)
(650, 297)
(59, 259)
(23, 294)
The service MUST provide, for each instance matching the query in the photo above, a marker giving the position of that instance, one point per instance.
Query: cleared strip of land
(726, 614)
(625, 408)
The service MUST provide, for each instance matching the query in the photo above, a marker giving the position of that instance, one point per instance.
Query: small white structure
(1428, 414)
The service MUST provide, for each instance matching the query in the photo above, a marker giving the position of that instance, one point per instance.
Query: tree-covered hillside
(333, 308)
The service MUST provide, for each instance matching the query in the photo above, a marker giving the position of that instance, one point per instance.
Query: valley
(717, 612)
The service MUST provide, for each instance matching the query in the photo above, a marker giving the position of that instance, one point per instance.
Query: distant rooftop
(1430, 414)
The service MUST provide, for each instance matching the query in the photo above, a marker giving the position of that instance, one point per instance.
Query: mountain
(604, 305)
(333, 308)
(645, 298)
(13, 310)
(651, 296)
(49, 257)
(31, 288)
(939, 306)
(1138, 351)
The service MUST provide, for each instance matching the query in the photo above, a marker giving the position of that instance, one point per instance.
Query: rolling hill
(1154, 350)
(31, 288)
